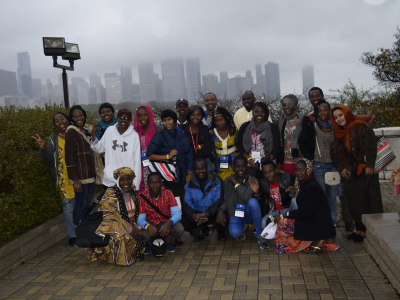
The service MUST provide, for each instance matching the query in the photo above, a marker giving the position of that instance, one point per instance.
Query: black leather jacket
(267, 204)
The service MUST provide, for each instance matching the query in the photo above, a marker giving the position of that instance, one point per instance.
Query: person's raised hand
(372, 118)
(345, 173)
(255, 186)
(164, 230)
(39, 141)
(94, 129)
(152, 230)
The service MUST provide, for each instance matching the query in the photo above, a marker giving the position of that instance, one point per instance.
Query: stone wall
(27, 245)
(393, 137)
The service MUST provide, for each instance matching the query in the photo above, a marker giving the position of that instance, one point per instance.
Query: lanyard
(131, 207)
(197, 138)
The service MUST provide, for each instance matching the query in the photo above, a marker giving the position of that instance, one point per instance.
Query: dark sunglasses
(124, 118)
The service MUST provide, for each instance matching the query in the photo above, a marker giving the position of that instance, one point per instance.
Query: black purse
(85, 232)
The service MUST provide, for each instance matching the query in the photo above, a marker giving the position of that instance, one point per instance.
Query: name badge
(224, 162)
(255, 154)
(145, 162)
(239, 212)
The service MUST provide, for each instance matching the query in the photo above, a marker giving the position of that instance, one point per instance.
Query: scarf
(151, 127)
(325, 125)
(350, 122)
(266, 136)
(310, 174)
(297, 131)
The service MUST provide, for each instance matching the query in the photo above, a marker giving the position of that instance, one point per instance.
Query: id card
(239, 212)
(255, 154)
(145, 162)
(224, 162)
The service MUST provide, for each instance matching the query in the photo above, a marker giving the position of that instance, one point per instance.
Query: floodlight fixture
(54, 46)
(72, 52)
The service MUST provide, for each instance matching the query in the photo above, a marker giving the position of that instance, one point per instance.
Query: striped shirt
(164, 202)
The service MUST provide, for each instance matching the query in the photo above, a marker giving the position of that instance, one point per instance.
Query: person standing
(245, 114)
(182, 106)
(210, 102)
(82, 164)
(224, 138)
(197, 134)
(146, 128)
(54, 153)
(121, 146)
(353, 154)
(106, 112)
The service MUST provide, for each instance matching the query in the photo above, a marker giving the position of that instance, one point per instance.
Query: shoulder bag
(166, 167)
(384, 155)
(331, 178)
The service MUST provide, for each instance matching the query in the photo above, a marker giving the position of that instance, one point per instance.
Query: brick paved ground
(206, 270)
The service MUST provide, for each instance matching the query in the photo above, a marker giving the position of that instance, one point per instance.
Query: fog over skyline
(230, 36)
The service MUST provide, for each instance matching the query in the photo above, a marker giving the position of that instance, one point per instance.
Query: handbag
(331, 178)
(166, 167)
(85, 232)
(158, 243)
(384, 155)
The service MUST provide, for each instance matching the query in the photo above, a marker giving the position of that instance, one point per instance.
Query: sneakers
(71, 242)
(170, 248)
(349, 227)
(200, 232)
(242, 236)
(147, 249)
(262, 242)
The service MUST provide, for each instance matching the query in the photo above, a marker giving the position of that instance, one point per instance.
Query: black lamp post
(56, 46)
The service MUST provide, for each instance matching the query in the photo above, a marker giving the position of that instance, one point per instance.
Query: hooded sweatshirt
(120, 151)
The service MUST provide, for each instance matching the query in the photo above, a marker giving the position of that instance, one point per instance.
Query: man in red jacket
(315, 94)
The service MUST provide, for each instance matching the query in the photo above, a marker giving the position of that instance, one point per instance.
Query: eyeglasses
(124, 118)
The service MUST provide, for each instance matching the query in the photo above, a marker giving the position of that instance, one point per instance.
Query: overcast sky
(231, 35)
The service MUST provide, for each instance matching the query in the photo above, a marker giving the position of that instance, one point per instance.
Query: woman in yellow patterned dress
(53, 152)
(223, 137)
(120, 209)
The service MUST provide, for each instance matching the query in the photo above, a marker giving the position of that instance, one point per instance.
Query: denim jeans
(329, 190)
(68, 210)
(83, 201)
(252, 214)
(293, 206)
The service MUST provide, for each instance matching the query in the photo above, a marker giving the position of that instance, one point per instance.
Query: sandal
(313, 249)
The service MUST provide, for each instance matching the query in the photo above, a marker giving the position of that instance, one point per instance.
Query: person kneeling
(152, 221)
(275, 196)
(202, 197)
(241, 204)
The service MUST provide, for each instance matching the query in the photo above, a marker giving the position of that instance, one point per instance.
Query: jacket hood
(129, 131)
(193, 178)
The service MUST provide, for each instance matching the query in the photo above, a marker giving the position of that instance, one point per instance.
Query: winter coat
(267, 203)
(177, 141)
(313, 219)
(204, 138)
(194, 200)
(121, 150)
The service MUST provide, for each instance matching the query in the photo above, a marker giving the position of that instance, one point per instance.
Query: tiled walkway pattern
(206, 270)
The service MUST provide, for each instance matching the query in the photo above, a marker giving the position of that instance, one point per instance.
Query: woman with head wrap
(291, 124)
(54, 153)
(146, 128)
(85, 168)
(313, 228)
(171, 143)
(223, 138)
(353, 154)
(120, 209)
(258, 139)
(320, 134)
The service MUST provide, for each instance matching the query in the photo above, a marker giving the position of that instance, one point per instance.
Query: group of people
(207, 167)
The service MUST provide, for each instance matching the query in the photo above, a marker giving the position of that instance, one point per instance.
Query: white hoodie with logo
(120, 151)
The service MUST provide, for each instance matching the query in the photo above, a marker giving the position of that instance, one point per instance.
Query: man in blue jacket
(202, 197)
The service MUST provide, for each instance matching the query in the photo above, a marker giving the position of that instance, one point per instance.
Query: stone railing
(392, 135)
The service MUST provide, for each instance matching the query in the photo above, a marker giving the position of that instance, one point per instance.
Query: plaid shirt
(165, 201)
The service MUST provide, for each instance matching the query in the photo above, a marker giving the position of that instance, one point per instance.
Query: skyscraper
(259, 89)
(308, 78)
(113, 88)
(158, 87)
(272, 80)
(223, 85)
(79, 90)
(49, 91)
(146, 82)
(173, 77)
(193, 79)
(236, 86)
(126, 81)
(250, 78)
(37, 87)
(24, 74)
(210, 84)
(8, 83)
(94, 80)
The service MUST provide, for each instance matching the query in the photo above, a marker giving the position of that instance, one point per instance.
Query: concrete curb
(29, 244)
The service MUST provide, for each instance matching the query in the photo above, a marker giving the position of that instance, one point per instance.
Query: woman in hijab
(145, 126)
(258, 139)
(120, 209)
(223, 138)
(313, 228)
(353, 154)
(291, 124)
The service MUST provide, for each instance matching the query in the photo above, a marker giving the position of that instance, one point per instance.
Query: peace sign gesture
(39, 141)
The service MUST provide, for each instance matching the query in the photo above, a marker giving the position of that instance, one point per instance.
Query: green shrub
(28, 194)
